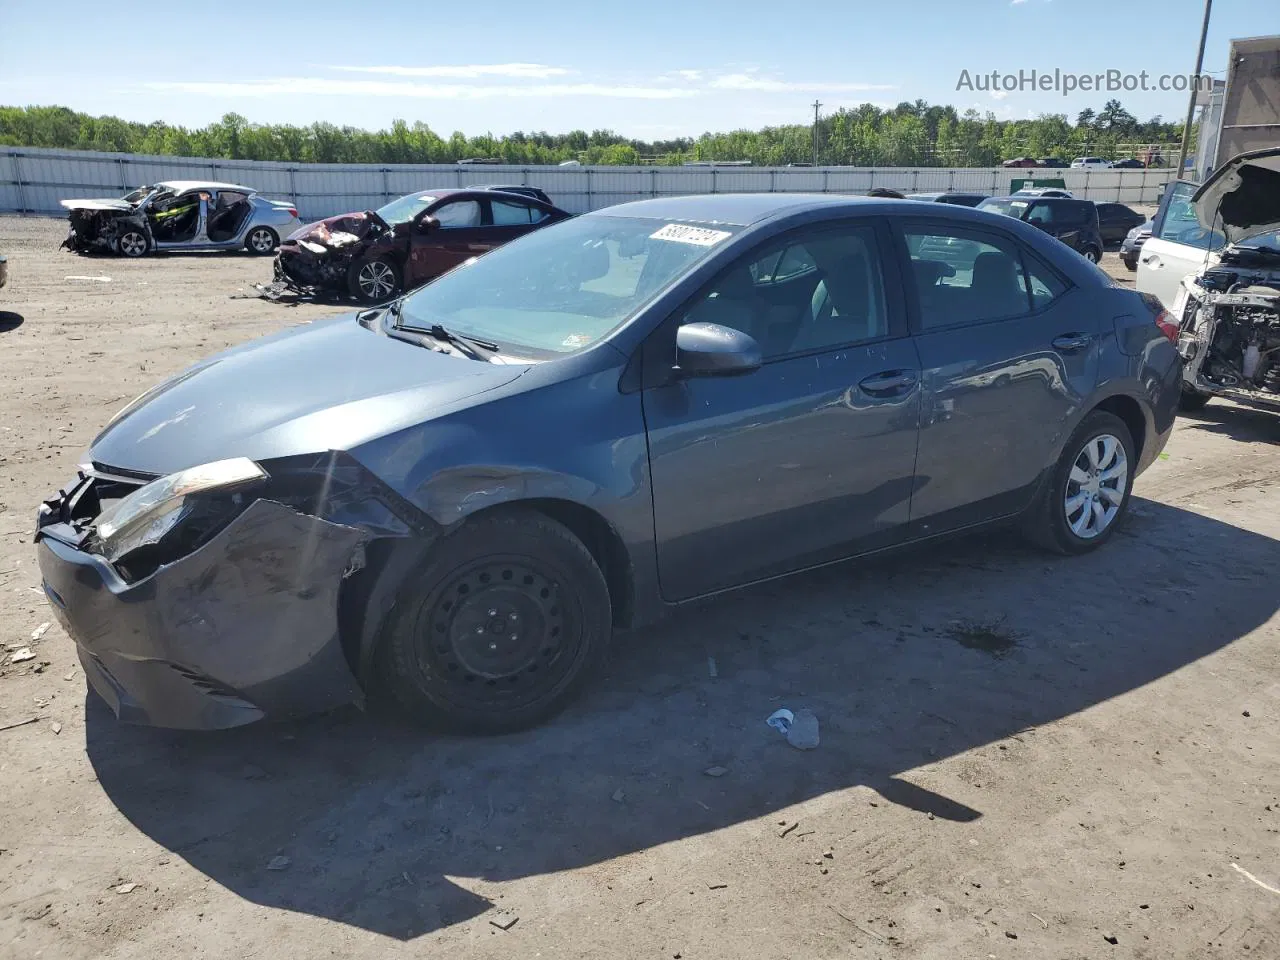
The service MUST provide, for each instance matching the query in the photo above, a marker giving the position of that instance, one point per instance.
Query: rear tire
(261, 241)
(1087, 495)
(1191, 401)
(502, 627)
(376, 280)
(1091, 254)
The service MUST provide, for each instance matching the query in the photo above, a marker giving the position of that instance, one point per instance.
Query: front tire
(376, 280)
(261, 241)
(132, 243)
(503, 626)
(1088, 494)
(1092, 254)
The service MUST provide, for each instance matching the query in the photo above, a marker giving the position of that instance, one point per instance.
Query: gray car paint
(613, 435)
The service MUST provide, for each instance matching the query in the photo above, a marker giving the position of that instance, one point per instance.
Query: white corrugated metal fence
(34, 180)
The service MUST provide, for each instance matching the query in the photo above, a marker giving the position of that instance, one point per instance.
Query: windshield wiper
(471, 346)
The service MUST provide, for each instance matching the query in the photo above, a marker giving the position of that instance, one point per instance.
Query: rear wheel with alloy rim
(374, 281)
(261, 240)
(505, 624)
(1088, 494)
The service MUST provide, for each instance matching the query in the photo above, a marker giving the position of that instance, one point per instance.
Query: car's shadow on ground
(375, 816)
(10, 320)
(1246, 424)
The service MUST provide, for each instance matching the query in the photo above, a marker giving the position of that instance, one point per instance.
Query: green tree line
(911, 134)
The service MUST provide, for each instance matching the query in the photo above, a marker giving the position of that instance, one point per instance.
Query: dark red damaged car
(378, 254)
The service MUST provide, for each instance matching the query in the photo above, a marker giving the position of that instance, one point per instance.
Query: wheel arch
(1131, 412)
(368, 598)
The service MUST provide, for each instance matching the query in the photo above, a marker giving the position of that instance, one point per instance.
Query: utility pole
(1195, 90)
(816, 107)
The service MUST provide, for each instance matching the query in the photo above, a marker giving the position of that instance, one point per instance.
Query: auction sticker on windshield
(682, 233)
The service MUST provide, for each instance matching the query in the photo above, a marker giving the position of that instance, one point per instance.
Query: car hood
(1242, 197)
(103, 204)
(340, 231)
(329, 386)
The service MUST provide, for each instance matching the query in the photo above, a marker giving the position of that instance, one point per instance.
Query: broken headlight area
(97, 231)
(304, 265)
(139, 524)
(172, 516)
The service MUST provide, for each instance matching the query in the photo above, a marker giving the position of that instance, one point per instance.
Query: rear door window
(963, 277)
(510, 214)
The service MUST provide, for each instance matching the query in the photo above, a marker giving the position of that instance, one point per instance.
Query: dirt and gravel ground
(1106, 786)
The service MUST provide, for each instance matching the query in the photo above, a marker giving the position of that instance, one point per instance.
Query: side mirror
(427, 224)
(710, 350)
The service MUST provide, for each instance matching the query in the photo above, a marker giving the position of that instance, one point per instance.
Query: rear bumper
(244, 627)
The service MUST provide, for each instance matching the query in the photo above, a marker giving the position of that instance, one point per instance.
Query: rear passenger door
(1008, 358)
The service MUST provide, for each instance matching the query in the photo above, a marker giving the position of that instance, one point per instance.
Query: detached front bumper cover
(246, 626)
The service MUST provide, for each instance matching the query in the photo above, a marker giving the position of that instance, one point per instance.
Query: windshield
(136, 196)
(405, 209)
(562, 288)
(1263, 242)
(1010, 208)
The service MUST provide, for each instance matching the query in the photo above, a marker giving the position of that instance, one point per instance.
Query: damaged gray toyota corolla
(455, 498)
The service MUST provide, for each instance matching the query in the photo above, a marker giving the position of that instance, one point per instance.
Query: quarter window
(817, 290)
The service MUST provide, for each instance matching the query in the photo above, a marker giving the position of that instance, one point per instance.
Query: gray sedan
(180, 215)
(454, 499)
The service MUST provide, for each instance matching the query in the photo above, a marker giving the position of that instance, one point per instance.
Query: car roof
(182, 186)
(744, 209)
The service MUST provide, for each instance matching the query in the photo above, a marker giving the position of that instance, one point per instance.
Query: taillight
(1168, 326)
(293, 212)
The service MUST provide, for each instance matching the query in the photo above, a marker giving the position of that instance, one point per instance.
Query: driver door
(459, 236)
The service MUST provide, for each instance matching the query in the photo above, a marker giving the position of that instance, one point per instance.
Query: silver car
(180, 215)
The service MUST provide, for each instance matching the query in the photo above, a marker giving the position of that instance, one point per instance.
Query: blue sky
(646, 68)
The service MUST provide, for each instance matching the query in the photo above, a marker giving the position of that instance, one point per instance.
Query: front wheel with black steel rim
(506, 622)
(131, 243)
(374, 281)
(1088, 494)
(261, 241)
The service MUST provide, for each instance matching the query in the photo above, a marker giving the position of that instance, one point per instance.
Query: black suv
(1116, 220)
(1074, 222)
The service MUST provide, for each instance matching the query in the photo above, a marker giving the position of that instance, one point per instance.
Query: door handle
(1072, 341)
(1153, 261)
(888, 382)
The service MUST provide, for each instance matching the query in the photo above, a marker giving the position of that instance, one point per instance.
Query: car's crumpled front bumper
(244, 627)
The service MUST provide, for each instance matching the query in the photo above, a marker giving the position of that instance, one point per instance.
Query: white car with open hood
(1213, 260)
